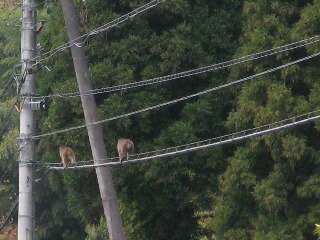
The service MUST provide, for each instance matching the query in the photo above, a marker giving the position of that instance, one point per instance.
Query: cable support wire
(79, 42)
(36, 5)
(6, 218)
(18, 83)
(6, 86)
(4, 174)
(217, 141)
(4, 126)
(41, 3)
(9, 21)
(192, 72)
(179, 99)
(121, 19)
(15, 203)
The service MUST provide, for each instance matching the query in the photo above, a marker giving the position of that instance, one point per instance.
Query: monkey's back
(67, 153)
(125, 144)
(130, 147)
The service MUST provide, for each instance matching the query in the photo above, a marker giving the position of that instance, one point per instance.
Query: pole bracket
(23, 163)
(27, 137)
(26, 216)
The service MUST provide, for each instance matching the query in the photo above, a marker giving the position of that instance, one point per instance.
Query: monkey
(39, 26)
(125, 147)
(66, 154)
(17, 107)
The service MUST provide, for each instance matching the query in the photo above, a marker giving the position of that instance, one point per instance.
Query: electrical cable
(4, 126)
(43, 2)
(6, 86)
(6, 218)
(179, 99)
(9, 19)
(217, 141)
(100, 29)
(192, 72)
(15, 203)
(10, 22)
(13, 77)
(121, 19)
(4, 174)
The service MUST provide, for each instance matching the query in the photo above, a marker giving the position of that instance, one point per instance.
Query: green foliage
(9, 52)
(265, 188)
(98, 232)
(317, 230)
(9, 43)
(278, 182)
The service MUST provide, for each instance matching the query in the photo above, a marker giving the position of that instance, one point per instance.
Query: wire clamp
(24, 137)
(34, 68)
(30, 95)
(27, 162)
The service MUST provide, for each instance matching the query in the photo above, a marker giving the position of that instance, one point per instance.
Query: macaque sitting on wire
(125, 148)
(67, 154)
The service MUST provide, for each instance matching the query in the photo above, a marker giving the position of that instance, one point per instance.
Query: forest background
(267, 187)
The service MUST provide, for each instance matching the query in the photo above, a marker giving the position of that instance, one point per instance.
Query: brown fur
(125, 148)
(39, 27)
(67, 154)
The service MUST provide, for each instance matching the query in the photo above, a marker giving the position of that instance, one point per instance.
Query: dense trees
(264, 188)
(267, 179)
(9, 52)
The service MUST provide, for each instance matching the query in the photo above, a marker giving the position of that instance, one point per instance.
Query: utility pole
(98, 148)
(26, 212)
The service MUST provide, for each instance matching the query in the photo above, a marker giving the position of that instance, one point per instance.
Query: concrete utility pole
(26, 212)
(98, 148)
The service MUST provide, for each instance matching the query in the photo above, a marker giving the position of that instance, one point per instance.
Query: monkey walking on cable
(125, 148)
(67, 154)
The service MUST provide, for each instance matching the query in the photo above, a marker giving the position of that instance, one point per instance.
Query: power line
(43, 2)
(6, 218)
(4, 174)
(8, 20)
(15, 203)
(19, 80)
(4, 126)
(11, 21)
(179, 99)
(13, 77)
(121, 19)
(217, 141)
(100, 29)
(192, 72)
(6, 86)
